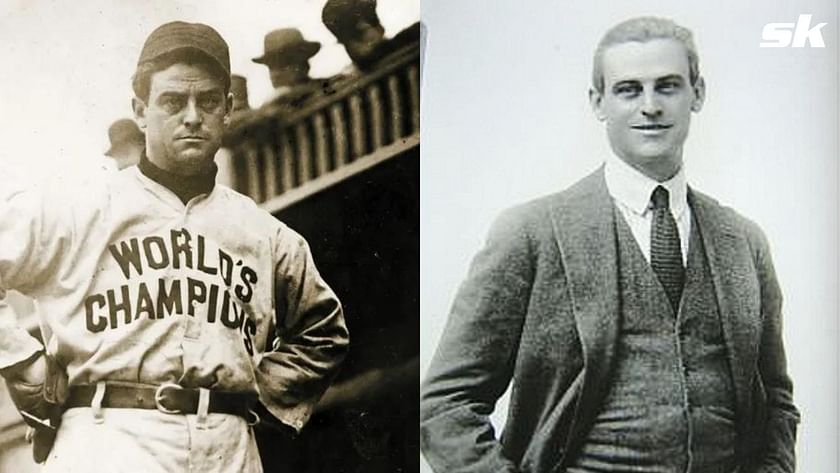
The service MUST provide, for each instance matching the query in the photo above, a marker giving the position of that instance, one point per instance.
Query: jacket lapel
(736, 289)
(584, 223)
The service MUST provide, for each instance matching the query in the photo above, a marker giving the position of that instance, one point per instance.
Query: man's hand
(32, 371)
(25, 381)
(32, 385)
(37, 386)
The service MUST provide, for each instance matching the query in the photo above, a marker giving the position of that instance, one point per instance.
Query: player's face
(647, 103)
(184, 118)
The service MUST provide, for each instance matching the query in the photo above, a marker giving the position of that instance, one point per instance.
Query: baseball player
(170, 306)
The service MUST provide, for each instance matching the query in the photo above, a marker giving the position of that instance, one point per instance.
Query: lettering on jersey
(138, 301)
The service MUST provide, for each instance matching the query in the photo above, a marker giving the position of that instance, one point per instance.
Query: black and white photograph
(629, 216)
(209, 236)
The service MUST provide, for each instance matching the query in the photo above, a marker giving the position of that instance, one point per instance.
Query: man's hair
(141, 82)
(644, 29)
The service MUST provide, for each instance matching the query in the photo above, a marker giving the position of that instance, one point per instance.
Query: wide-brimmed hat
(124, 131)
(286, 45)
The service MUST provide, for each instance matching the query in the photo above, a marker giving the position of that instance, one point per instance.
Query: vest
(671, 405)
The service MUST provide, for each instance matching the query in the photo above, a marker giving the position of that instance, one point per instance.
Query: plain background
(505, 118)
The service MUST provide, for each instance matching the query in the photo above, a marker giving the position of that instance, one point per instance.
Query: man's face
(184, 118)
(364, 41)
(288, 74)
(647, 103)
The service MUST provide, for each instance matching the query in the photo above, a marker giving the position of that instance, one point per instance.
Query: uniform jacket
(539, 310)
(135, 286)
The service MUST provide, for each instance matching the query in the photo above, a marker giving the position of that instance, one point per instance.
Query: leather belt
(168, 398)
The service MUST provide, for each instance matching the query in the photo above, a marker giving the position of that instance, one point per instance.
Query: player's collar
(185, 187)
(633, 189)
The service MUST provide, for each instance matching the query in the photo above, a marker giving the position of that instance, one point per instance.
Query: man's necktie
(665, 253)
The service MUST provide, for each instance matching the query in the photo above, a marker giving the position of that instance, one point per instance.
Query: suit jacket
(539, 309)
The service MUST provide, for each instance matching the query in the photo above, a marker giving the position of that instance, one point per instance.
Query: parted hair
(643, 29)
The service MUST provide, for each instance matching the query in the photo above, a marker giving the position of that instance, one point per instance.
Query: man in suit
(286, 53)
(638, 320)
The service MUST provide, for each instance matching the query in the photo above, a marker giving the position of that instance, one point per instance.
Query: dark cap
(342, 16)
(178, 35)
(124, 131)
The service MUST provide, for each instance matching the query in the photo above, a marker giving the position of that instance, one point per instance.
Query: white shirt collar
(633, 189)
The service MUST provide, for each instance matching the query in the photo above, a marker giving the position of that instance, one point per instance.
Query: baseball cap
(177, 35)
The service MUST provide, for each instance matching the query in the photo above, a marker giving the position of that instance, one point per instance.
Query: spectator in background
(287, 53)
(127, 143)
(239, 90)
(356, 26)
(239, 113)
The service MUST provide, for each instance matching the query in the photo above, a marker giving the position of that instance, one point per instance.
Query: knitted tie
(665, 253)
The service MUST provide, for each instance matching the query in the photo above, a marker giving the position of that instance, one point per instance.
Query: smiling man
(173, 310)
(638, 320)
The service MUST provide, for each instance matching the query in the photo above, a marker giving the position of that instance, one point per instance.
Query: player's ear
(139, 108)
(228, 109)
(596, 100)
(699, 89)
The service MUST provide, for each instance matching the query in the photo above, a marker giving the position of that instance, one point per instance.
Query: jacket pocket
(547, 447)
(759, 402)
(755, 435)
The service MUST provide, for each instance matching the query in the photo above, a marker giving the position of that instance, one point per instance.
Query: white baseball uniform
(137, 287)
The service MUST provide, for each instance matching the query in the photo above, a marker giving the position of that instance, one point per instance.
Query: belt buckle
(159, 396)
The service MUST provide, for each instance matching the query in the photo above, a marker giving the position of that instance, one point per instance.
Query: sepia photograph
(209, 236)
(629, 218)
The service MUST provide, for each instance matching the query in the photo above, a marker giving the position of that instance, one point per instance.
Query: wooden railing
(355, 122)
